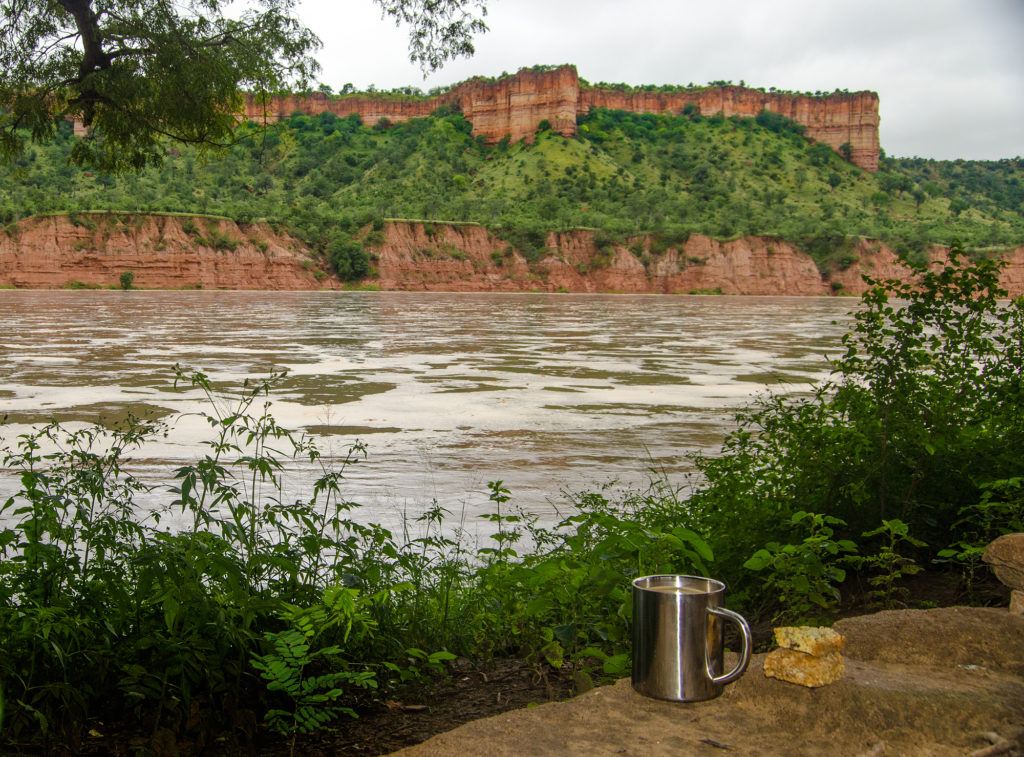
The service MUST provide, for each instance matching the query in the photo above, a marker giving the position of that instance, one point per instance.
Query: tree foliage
(138, 73)
(441, 29)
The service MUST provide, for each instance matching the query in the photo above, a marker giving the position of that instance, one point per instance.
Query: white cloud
(950, 73)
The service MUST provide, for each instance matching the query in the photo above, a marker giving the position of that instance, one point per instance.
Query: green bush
(778, 123)
(926, 405)
(804, 578)
(348, 258)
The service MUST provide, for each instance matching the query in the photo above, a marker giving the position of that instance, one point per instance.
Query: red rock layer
(370, 109)
(165, 252)
(160, 252)
(514, 106)
(832, 119)
(472, 259)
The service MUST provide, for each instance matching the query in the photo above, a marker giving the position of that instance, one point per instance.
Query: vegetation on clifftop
(325, 178)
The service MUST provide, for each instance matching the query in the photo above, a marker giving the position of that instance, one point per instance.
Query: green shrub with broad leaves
(891, 564)
(805, 577)
(922, 419)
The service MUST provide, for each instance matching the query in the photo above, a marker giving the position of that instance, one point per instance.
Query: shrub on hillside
(348, 258)
(778, 123)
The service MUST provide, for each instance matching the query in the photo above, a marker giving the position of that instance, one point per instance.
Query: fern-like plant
(315, 679)
(889, 565)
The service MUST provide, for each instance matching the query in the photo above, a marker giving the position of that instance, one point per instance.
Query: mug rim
(714, 586)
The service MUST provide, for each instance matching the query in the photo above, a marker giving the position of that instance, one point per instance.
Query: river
(448, 391)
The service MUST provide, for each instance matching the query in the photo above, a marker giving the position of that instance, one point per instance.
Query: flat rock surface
(917, 682)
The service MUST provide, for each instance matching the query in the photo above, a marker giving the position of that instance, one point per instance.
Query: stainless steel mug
(677, 638)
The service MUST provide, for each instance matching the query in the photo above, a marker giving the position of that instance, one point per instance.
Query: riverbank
(271, 609)
(176, 251)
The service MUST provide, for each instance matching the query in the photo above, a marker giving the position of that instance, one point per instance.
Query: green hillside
(325, 177)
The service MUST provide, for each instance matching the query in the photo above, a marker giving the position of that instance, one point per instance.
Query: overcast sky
(950, 73)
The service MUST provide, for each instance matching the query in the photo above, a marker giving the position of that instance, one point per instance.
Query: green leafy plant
(127, 280)
(316, 679)
(999, 511)
(570, 594)
(805, 576)
(348, 258)
(889, 566)
(923, 405)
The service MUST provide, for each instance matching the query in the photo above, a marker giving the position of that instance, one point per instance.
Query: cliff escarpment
(511, 106)
(834, 120)
(514, 106)
(160, 251)
(438, 257)
(182, 252)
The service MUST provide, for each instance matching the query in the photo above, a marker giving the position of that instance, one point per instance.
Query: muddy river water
(448, 391)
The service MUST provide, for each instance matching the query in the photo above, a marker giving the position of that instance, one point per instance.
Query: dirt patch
(924, 682)
(472, 691)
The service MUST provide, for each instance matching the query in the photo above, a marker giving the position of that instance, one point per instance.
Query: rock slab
(923, 682)
(804, 669)
(817, 641)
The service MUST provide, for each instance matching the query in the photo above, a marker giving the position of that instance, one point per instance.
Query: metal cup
(677, 638)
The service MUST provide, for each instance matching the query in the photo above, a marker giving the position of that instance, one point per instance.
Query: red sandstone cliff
(470, 258)
(832, 119)
(174, 252)
(162, 252)
(514, 106)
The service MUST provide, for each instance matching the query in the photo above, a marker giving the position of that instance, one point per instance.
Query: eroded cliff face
(161, 252)
(514, 106)
(833, 119)
(165, 252)
(470, 258)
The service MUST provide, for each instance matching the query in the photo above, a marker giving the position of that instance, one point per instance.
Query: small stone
(1017, 602)
(814, 641)
(802, 668)
(1006, 556)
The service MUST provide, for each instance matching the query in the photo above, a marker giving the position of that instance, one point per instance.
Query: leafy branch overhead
(139, 73)
(440, 29)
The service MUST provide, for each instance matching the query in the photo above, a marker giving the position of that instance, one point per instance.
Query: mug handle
(744, 651)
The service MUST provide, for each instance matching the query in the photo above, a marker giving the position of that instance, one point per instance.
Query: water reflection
(447, 390)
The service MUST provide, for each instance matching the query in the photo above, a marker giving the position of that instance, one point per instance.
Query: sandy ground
(918, 682)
